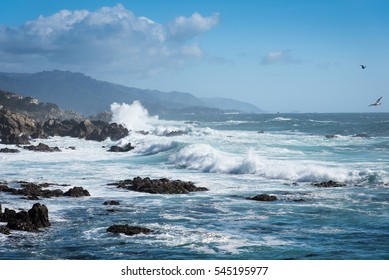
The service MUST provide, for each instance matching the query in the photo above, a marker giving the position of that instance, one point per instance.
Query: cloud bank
(108, 40)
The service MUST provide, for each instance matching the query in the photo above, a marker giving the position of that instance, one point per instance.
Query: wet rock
(128, 230)
(111, 202)
(114, 131)
(76, 192)
(37, 217)
(361, 135)
(42, 148)
(263, 197)
(32, 191)
(118, 149)
(176, 133)
(331, 136)
(158, 186)
(7, 150)
(328, 184)
(5, 230)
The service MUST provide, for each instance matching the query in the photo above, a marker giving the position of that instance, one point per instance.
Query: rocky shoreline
(18, 129)
(37, 218)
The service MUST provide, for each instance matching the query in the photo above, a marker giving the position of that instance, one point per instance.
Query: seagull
(378, 102)
(363, 66)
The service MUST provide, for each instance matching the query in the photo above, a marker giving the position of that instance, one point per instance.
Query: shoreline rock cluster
(158, 186)
(32, 191)
(32, 220)
(17, 129)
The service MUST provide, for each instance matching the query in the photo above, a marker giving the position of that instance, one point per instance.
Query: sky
(280, 55)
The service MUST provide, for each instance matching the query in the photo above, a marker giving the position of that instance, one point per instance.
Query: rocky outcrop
(15, 128)
(158, 186)
(263, 197)
(118, 149)
(34, 191)
(90, 130)
(328, 184)
(42, 148)
(76, 192)
(32, 220)
(128, 230)
(7, 150)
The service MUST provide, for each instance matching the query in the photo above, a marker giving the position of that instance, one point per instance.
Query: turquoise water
(235, 157)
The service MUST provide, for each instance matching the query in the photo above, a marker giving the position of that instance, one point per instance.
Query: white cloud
(274, 57)
(108, 40)
(183, 28)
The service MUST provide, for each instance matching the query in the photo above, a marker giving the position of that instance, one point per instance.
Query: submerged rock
(263, 197)
(118, 149)
(158, 186)
(328, 184)
(128, 230)
(111, 202)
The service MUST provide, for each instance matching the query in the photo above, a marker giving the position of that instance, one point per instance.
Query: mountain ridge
(77, 91)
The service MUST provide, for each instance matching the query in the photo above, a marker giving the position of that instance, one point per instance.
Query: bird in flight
(378, 102)
(363, 66)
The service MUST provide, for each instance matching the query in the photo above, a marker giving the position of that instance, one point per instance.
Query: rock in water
(128, 230)
(76, 192)
(42, 148)
(158, 186)
(263, 197)
(329, 184)
(126, 148)
(39, 215)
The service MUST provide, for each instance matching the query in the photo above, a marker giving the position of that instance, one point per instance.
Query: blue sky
(280, 55)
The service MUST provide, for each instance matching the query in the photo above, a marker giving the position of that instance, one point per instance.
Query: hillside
(76, 91)
(31, 107)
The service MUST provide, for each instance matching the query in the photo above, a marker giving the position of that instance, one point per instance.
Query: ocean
(235, 156)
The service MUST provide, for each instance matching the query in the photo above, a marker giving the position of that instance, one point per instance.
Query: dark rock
(128, 230)
(7, 150)
(22, 225)
(263, 197)
(176, 133)
(42, 148)
(5, 230)
(58, 128)
(331, 136)
(328, 184)
(76, 192)
(361, 135)
(8, 215)
(126, 148)
(111, 202)
(32, 191)
(158, 186)
(114, 131)
(39, 215)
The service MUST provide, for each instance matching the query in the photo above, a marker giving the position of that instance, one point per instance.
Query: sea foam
(133, 117)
